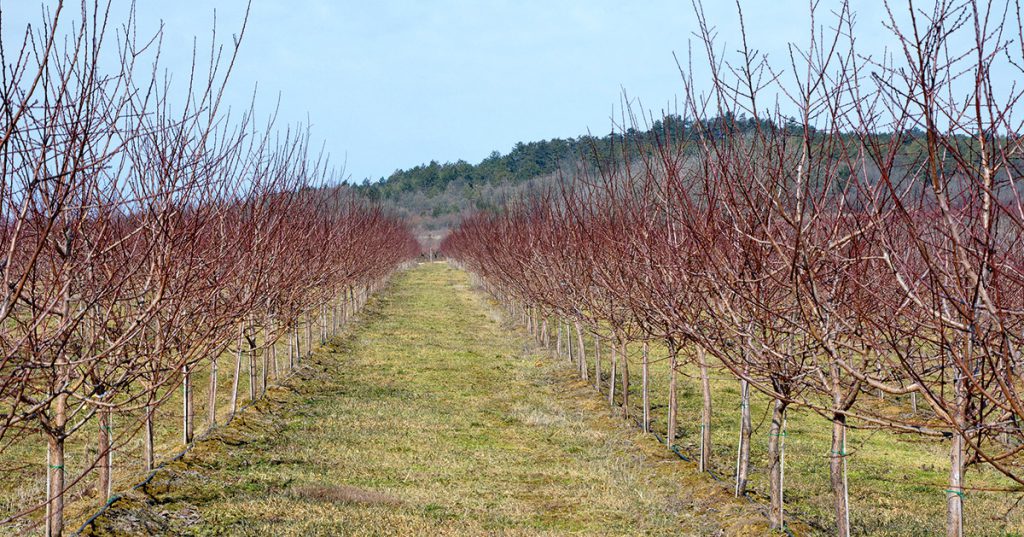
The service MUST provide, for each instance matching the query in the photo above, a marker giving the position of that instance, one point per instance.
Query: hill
(433, 196)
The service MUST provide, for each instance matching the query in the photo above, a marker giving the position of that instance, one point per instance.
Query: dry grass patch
(342, 494)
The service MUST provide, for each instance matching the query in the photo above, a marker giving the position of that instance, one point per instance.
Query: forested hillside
(433, 196)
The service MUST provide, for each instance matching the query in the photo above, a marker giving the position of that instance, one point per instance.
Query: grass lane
(430, 418)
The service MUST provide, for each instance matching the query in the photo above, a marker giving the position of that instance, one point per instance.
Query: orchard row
(868, 246)
(148, 236)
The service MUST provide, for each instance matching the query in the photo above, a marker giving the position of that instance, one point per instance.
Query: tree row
(816, 260)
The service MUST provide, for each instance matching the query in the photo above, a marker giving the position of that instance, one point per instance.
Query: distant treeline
(432, 196)
(524, 162)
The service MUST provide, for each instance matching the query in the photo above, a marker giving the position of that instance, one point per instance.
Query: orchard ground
(433, 416)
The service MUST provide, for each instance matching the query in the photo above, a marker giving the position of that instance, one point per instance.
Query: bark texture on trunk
(149, 436)
(187, 413)
(705, 419)
(105, 455)
(581, 352)
(309, 335)
(777, 464)
(558, 340)
(293, 340)
(55, 485)
(955, 492)
(568, 342)
(625, 380)
(612, 379)
(55, 472)
(645, 386)
(253, 369)
(235, 377)
(837, 475)
(743, 450)
(211, 409)
(673, 404)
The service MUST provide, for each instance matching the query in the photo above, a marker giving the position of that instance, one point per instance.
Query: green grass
(897, 482)
(23, 463)
(430, 418)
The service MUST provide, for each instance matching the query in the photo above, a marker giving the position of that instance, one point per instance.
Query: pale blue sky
(392, 84)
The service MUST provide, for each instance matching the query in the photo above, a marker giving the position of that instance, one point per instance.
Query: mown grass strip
(430, 418)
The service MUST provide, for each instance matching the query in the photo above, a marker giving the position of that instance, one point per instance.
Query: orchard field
(435, 414)
(790, 301)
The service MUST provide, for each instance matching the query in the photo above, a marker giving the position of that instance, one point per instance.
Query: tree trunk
(187, 413)
(273, 360)
(266, 365)
(955, 492)
(536, 326)
(597, 362)
(776, 464)
(625, 381)
(878, 373)
(743, 451)
(291, 348)
(148, 436)
(645, 386)
(236, 376)
(55, 471)
(558, 340)
(211, 410)
(581, 352)
(612, 379)
(104, 446)
(309, 335)
(55, 482)
(253, 378)
(544, 336)
(564, 327)
(670, 432)
(705, 416)
(294, 359)
(837, 475)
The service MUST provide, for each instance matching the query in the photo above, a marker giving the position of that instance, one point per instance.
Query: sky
(393, 84)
